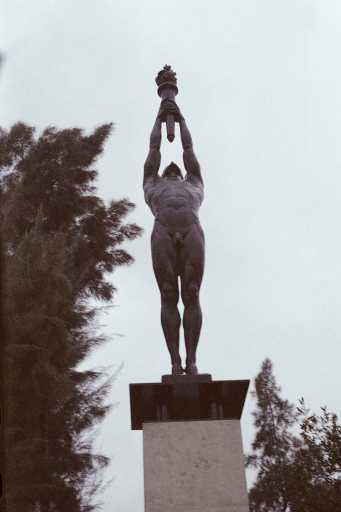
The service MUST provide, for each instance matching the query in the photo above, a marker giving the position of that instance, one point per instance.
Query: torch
(167, 90)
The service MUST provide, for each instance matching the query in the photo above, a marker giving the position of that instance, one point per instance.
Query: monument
(177, 241)
(193, 457)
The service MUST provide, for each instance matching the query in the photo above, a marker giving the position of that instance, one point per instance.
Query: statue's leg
(170, 321)
(193, 258)
(164, 264)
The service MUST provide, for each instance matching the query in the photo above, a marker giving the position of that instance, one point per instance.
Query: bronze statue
(177, 239)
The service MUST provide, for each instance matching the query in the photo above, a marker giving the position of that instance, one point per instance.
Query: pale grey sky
(259, 84)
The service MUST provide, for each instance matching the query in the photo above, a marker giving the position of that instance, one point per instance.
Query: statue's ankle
(177, 369)
(191, 368)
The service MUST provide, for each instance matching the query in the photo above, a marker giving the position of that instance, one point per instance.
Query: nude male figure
(177, 240)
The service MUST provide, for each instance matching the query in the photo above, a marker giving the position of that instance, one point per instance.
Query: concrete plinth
(193, 455)
(194, 466)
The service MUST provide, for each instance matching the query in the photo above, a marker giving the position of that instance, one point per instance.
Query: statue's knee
(169, 294)
(191, 294)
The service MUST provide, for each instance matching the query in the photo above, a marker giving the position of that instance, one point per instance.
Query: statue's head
(172, 171)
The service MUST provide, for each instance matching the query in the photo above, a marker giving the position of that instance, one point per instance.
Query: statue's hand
(169, 107)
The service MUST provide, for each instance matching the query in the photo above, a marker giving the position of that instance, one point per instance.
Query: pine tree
(274, 445)
(60, 243)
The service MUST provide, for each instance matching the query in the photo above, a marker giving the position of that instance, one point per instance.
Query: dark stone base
(186, 379)
(186, 398)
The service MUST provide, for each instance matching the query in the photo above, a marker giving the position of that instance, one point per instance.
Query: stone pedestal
(192, 447)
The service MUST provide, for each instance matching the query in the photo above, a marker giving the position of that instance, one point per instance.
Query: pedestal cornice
(186, 401)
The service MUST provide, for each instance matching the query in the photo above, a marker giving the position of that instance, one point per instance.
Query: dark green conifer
(273, 446)
(59, 244)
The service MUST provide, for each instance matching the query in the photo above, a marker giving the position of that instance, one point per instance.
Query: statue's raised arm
(153, 160)
(191, 163)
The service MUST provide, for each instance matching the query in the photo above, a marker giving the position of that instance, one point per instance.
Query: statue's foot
(177, 369)
(191, 369)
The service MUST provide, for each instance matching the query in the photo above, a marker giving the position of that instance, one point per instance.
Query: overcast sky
(259, 85)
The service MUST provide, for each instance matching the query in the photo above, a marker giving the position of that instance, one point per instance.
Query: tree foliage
(273, 444)
(60, 242)
(297, 455)
(317, 463)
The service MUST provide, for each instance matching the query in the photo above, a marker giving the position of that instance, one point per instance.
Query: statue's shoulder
(151, 186)
(152, 182)
(194, 182)
(196, 187)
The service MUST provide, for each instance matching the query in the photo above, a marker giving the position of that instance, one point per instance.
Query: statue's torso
(174, 203)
